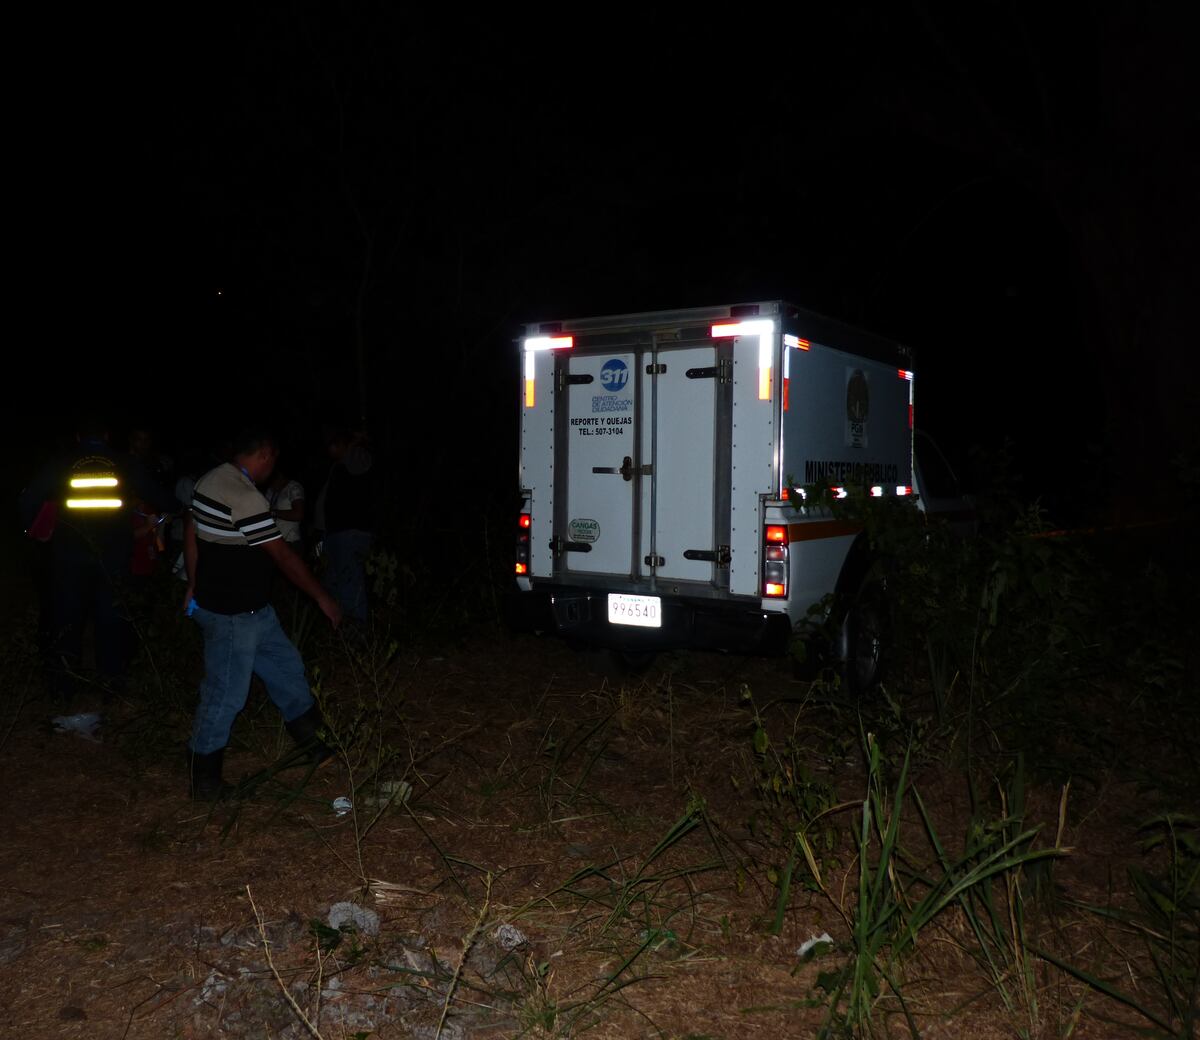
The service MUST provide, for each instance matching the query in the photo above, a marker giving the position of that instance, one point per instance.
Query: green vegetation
(930, 822)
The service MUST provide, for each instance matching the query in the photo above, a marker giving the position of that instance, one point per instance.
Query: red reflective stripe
(815, 529)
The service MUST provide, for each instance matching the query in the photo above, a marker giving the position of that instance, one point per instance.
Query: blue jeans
(346, 575)
(237, 646)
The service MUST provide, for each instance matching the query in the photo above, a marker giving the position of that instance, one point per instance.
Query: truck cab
(938, 491)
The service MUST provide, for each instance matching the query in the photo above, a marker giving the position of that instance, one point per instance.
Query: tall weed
(896, 901)
(989, 627)
(1165, 922)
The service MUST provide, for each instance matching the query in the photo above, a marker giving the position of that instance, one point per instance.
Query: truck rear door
(681, 534)
(645, 468)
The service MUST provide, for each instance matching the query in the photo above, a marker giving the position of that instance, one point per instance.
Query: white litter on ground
(359, 917)
(809, 945)
(508, 937)
(86, 725)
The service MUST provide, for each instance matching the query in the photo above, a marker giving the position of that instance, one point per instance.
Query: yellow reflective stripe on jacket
(97, 492)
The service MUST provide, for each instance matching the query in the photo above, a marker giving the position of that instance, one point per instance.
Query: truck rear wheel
(864, 637)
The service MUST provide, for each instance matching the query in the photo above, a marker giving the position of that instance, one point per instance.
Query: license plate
(643, 611)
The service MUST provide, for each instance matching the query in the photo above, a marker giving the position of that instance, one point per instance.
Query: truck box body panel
(868, 442)
(537, 458)
(755, 456)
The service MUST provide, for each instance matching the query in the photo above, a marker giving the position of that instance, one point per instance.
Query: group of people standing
(101, 514)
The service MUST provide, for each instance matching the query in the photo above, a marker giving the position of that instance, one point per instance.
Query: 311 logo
(614, 375)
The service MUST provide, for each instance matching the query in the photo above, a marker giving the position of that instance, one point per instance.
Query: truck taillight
(524, 523)
(775, 561)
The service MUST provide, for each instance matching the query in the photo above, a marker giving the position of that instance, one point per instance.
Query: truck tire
(864, 637)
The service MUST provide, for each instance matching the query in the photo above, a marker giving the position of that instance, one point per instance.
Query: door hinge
(720, 555)
(654, 561)
(656, 370)
(722, 371)
(566, 379)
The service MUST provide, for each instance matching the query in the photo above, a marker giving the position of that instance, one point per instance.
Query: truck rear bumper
(699, 624)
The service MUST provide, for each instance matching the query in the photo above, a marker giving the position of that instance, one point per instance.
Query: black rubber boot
(204, 772)
(306, 731)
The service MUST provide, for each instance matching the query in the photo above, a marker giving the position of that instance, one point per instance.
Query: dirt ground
(530, 787)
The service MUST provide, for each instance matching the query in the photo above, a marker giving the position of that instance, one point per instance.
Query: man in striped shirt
(232, 547)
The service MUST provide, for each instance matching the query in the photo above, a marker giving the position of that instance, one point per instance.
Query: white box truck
(657, 457)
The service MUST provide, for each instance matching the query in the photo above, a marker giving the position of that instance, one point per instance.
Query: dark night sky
(223, 208)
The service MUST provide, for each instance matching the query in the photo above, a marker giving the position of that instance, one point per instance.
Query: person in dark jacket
(88, 493)
(345, 515)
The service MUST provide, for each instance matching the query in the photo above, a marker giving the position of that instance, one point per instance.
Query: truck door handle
(558, 546)
(627, 469)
